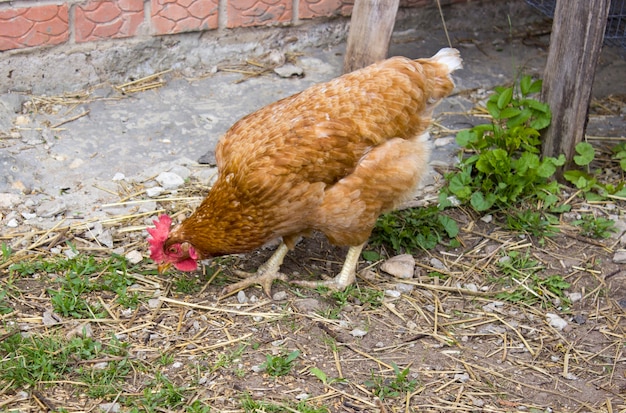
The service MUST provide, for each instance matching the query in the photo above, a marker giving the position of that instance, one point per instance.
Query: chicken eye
(172, 250)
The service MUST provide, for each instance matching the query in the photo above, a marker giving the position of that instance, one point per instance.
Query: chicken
(330, 159)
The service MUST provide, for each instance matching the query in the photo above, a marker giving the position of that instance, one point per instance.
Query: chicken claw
(265, 275)
(344, 278)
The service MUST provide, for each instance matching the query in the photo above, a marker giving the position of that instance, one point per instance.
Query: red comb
(159, 235)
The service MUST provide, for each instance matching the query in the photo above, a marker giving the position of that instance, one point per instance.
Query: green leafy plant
(390, 388)
(279, 365)
(414, 228)
(595, 227)
(586, 180)
(526, 285)
(619, 153)
(324, 378)
(6, 251)
(504, 166)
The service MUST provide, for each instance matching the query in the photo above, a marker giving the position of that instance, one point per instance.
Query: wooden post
(371, 26)
(575, 44)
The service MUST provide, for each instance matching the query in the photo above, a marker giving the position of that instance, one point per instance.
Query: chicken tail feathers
(449, 57)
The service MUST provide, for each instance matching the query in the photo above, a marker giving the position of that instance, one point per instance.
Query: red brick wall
(61, 22)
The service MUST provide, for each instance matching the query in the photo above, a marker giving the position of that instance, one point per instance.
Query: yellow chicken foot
(264, 276)
(344, 278)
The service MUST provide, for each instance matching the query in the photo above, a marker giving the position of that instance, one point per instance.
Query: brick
(246, 13)
(177, 16)
(34, 26)
(310, 9)
(110, 19)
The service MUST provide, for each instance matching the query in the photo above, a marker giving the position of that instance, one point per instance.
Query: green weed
(385, 388)
(414, 228)
(279, 365)
(504, 167)
(595, 227)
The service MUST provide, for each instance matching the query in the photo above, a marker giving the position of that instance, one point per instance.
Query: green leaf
(509, 112)
(535, 87)
(371, 256)
(505, 98)
(449, 225)
(586, 153)
(480, 203)
(524, 84)
(319, 374)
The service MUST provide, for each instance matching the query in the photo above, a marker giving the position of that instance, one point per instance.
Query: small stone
(487, 218)
(169, 180)
(574, 297)
(289, 70)
(177, 365)
(393, 293)
(49, 318)
(241, 297)
(181, 171)
(119, 176)
(401, 266)
(579, 319)
(411, 325)
(101, 366)
(8, 200)
(13, 223)
(357, 332)
(620, 257)
(280, 296)
(462, 378)
(28, 215)
(110, 407)
(154, 303)
(51, 208)
(106, 238)
(307, 305)
(471, 287)
(154, 191)
(83, 330)
(556, 321)
(404, 288)
(436, 263)
(134, 257)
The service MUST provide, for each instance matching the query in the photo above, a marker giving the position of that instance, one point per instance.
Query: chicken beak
(163, 267)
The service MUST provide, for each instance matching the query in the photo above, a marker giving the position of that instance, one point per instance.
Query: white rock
(119, 176)
(8, 200)
(51, 208)
(28, 215)
(134, 257)
(556, 321)
(241, 297)
(357, 332)
(169, 180)
(154, 191)
(471, 287)
(574, 297)
(110, 407)
(620, 257)
(436, 263)
(49, 318)
(404, 288)
(288, 70)
(154, 303)
(462, 377)
(393, 293)
(76, 163)
(487, 218)
(12, 223)
(106, 238)
(280, 296)
(180, 171)
(401, 266)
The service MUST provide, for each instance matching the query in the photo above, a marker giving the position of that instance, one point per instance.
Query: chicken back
(331, 159)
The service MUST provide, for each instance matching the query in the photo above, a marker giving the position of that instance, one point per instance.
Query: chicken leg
(344, 278)
(265, 274)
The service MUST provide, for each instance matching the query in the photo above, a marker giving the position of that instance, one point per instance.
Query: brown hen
(331, 159)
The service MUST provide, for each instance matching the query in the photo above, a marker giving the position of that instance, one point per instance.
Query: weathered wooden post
(371, 26)
(575, 44)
